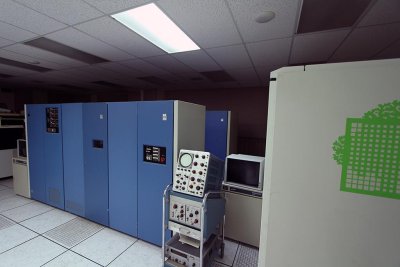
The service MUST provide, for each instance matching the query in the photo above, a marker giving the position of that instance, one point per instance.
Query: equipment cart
(198, 228)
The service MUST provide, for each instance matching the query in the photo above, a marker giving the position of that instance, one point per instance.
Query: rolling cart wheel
(222, 250)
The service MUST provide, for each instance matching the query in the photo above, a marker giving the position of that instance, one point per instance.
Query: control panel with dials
(197, 172)
(185, 211)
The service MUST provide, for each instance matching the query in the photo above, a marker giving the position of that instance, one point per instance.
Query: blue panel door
(122, 158)
(216, 133)
(53, 156)
(155, 128)
(95, 150)
(73, 159)
(36, 124)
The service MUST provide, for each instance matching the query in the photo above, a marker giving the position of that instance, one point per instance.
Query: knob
(175, 206)
(193, 171)
(196, 221)
(197, 156)
(194, 264)
(202, 164)
(203, 157)
(198, 180)
(191, 215)
(197, 187)
(191, 186)
(196, 212)
(195, 163)
(192, 178)
(200, 172)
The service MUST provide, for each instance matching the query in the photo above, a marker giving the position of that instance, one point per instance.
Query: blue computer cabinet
(155, 165)
(122, 158)
(36, 125)
(217, 133)
(45, 153)
(95, 152)
(74, 186)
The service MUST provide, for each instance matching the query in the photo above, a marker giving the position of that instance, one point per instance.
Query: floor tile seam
(59, 225)
(26, 218)
(102, 227)
(14, 195)
(16, 206)
(237, 249)
(19, 244)
(72, 252)
(123, 252)
(11, 187)
(54, 257)
(236, 254)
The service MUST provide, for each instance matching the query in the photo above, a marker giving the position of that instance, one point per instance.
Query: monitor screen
(243, 172)
(21, 148)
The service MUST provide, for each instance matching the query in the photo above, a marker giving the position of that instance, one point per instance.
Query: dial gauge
(185, 160)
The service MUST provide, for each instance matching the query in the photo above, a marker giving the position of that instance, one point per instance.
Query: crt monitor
(244, 171)
(21, 148)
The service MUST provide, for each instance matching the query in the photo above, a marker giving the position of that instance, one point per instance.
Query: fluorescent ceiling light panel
(151, 23)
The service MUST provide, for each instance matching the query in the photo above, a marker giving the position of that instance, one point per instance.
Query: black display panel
(243, 172)
(154, 154)
(9, 136)
(21, 145)
(52, 120)
(97, 143)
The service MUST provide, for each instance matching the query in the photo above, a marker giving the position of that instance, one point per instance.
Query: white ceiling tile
(75, 75)
(208, 22)
(271, 53)
(44, 55)
(316, 47)
(112, 6)
(283, 25)
(264, 74)
(121, 37)
(197, 60)
(27, 59)
(365, 42)
(88, 44)
(5, 42)
(99, 74)
(79, 74)
(69, 12)
(231, 57)
(392, 51)
(244, 76)
(26, 18)
(146, 68)
(168, 63)
(6, 69)
(116, 67)
(13, 33)
(383, 11)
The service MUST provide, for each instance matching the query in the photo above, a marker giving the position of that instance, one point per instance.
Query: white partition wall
(317, 212)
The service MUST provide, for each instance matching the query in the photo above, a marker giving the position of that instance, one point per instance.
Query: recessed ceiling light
(154, 25)
(265, 16)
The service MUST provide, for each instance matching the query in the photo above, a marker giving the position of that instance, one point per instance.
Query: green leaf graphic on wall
(369, 152)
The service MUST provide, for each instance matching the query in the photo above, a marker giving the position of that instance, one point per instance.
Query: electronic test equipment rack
(194, 210)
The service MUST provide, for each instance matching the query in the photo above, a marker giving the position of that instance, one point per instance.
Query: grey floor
(35, 234)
